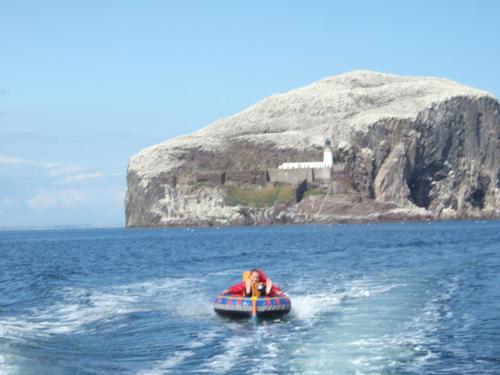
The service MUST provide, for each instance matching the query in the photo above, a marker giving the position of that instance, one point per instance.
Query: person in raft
(256, 277)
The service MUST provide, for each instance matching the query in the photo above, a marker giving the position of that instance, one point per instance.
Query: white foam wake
(309, 307)
(169, 364)
(79, 308)
(6, 365)
(233, 349)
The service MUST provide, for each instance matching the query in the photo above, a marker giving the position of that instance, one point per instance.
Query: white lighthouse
(328, 154)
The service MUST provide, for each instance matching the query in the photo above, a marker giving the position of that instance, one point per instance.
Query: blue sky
(85, 85)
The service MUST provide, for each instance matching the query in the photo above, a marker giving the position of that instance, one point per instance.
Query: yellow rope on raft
(254, 300)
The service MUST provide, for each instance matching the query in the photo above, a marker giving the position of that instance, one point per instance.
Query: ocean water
(414, 298)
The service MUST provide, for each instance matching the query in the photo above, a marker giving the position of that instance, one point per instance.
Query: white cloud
(42, 201)
(81, 177)
(62, 170)
(65, 199)
(4, 159)
(47, 164)
(71, 198)
(62, 173)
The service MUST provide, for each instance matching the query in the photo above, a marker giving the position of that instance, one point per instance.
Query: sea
(398, 298)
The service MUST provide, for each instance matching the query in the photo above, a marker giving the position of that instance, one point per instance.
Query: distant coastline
(58, 227)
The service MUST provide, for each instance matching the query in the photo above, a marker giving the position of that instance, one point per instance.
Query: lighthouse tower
(328, 154)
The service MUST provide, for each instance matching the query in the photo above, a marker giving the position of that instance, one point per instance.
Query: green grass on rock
(259, 197)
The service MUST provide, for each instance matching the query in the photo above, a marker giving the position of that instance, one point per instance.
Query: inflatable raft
(246, 307)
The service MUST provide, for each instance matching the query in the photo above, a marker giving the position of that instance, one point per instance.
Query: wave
(309, 306)
(79, 308)
(232, 351)
(7, 365)
(169, 364)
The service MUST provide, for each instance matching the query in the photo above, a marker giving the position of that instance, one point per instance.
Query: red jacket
(239, 289)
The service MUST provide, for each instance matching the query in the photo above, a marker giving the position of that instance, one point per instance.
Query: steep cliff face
(414, 147)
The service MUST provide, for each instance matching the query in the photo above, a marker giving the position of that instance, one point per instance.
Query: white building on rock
(326, 163)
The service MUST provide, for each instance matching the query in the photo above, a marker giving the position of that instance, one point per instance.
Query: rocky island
(360, 146)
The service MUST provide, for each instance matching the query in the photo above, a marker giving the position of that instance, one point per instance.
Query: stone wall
(296, 176)
(254, 177)
(291, 176)
(216, 178)
(322, 174)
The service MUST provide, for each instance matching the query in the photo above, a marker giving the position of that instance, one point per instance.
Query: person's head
(254, 276)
